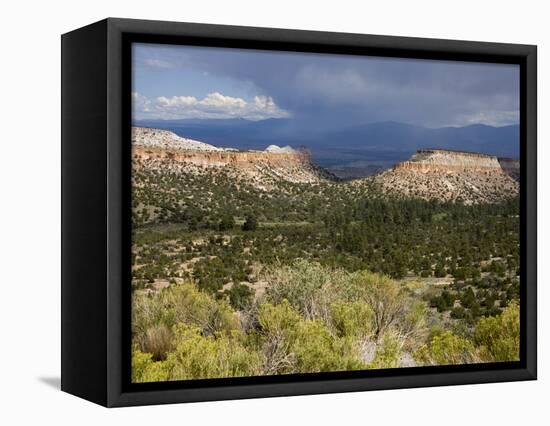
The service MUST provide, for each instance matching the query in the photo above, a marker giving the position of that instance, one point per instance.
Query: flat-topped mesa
(156, 144)
(453, 176)
(154, 147)
(440, 160)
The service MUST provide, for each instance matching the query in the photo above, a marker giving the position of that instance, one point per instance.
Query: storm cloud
(323, 90)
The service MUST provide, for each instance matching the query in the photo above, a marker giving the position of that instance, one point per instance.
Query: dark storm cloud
(336, 90)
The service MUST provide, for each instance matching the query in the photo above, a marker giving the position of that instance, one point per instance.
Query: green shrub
(240, 296)
(317, 350)
(277, 332)
(226, 223)
(388, 352)
(250, 223)
(443, 302)
(291, 344)
(309, 287)
(281, 319)
(386, 299)
(154, 316)
(202, 357)
(413, 328)
(498, 337)
(446, 348)
(144, 369)
(458, 312)
(352, 319)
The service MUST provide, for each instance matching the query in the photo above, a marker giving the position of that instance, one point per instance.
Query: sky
(322, 90)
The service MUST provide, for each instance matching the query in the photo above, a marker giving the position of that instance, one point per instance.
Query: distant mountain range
(358, 150)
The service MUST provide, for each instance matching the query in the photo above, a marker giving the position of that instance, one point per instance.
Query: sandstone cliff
(510, 167)
(438, 160)
(153, 148)
(452, 176)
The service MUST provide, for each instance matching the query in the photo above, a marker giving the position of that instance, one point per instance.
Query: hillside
(446, 175)
(174, 181)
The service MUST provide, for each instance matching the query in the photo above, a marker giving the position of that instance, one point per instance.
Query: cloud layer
(214, 105)
(340, 90)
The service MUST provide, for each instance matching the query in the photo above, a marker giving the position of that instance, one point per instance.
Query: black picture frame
(96, 167)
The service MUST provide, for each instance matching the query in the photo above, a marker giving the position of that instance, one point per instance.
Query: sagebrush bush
(307, 286)
(447, 348)
(181, 303)
(317, 350)
(202, 357)
(144, 369)
(157, 341)
(185, 304)
(495, 339)
(292, 344)
(499, 337)
(385, 297)
(277, 331)
(388, 351)
(352, 319)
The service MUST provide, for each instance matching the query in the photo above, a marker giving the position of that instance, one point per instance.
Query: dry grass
(157, 341)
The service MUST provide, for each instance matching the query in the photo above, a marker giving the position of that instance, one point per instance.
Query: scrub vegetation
(231, 281)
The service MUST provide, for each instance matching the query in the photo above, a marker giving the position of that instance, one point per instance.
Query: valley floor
(387, 285)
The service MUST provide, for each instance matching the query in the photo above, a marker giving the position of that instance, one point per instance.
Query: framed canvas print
(252, 212)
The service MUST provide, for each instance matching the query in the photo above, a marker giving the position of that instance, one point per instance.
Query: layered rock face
(452, 176)
(242, 159)
(437, 160)
(510, 167)
(153, 148)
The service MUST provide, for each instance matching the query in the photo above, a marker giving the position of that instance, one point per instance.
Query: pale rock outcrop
(278, 150)
(154, 148)
(446, 175)
(157, 138)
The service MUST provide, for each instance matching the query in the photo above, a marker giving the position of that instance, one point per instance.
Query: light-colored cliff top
(165, 139)
(452, 152)
(275, 149)
(158, 138)
(448, 158)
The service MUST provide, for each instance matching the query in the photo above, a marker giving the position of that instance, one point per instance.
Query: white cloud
(140, 103)
(175, 101)
(214, 105)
